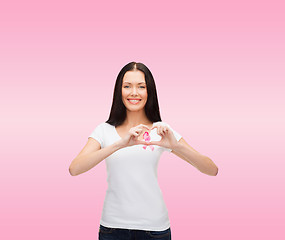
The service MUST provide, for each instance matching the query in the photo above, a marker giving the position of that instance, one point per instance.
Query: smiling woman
(134, 89)
(134, 82)
(134, 205)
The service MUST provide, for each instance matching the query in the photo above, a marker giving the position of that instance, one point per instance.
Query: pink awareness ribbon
(146, 137)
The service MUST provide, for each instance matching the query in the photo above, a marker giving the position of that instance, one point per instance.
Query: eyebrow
(138, 83)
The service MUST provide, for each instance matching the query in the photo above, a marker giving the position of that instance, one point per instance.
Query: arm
(91, 155)
(204, 164)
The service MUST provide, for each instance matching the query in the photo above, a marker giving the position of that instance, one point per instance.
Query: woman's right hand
(132, 136)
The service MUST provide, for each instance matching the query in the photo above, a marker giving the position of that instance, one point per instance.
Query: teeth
(134, 101)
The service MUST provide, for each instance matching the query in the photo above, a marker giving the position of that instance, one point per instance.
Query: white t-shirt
(133, 199)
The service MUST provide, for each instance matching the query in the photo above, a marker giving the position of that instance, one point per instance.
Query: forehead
(134, 77)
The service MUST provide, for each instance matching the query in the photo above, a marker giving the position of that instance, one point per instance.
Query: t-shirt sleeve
(177, 135)
(98, 134)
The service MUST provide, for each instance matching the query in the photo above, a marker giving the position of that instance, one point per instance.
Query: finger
(157, 127)
(160, 131)
(144, 126)
(134, 133)
(138, 131)
(165, 130)
(142, 142)
(154, 127)
(154, 143)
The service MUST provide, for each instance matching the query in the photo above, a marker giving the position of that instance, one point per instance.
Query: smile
(134, 101)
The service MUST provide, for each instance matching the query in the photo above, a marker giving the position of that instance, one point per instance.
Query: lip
(134, 99)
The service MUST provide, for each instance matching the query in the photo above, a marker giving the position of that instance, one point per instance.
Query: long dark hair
(118, 112)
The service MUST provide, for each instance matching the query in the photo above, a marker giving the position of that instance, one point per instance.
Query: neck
(135, 118)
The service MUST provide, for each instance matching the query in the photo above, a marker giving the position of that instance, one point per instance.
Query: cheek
(145, 95)
(124, 93)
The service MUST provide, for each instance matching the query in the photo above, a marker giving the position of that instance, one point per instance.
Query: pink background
(219, 71)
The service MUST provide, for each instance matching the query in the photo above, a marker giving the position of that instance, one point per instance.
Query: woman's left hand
(167, 140)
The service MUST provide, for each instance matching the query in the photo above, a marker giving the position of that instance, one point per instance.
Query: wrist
(118, 145)
(175, 146)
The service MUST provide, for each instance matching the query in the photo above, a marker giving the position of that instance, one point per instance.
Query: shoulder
(106, 125)
(102, 126)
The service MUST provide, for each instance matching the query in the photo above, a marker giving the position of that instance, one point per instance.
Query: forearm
(85, 162)
(201, 162)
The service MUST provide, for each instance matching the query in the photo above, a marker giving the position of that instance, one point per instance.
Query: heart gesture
(131, 137)
(167, 140)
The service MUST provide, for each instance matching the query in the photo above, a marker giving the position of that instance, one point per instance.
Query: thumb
(154, 143)
(142, 142)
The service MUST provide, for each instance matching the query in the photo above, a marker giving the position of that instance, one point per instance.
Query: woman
(132, 141)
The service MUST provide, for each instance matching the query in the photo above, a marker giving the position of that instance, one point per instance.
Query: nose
(134, 91)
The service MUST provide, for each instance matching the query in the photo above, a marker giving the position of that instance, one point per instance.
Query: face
(134, 87)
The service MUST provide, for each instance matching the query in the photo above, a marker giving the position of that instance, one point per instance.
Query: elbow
(72, 172)
(73, 168)
(212, 169)
(213, 172)
(216, 171)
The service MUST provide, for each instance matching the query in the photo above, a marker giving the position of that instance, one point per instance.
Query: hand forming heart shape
(167, 140)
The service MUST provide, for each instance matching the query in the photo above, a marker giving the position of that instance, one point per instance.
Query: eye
(128, 86)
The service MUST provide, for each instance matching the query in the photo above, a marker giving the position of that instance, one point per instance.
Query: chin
(132, 107)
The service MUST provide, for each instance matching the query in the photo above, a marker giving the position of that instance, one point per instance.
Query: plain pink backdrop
(219, 72)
